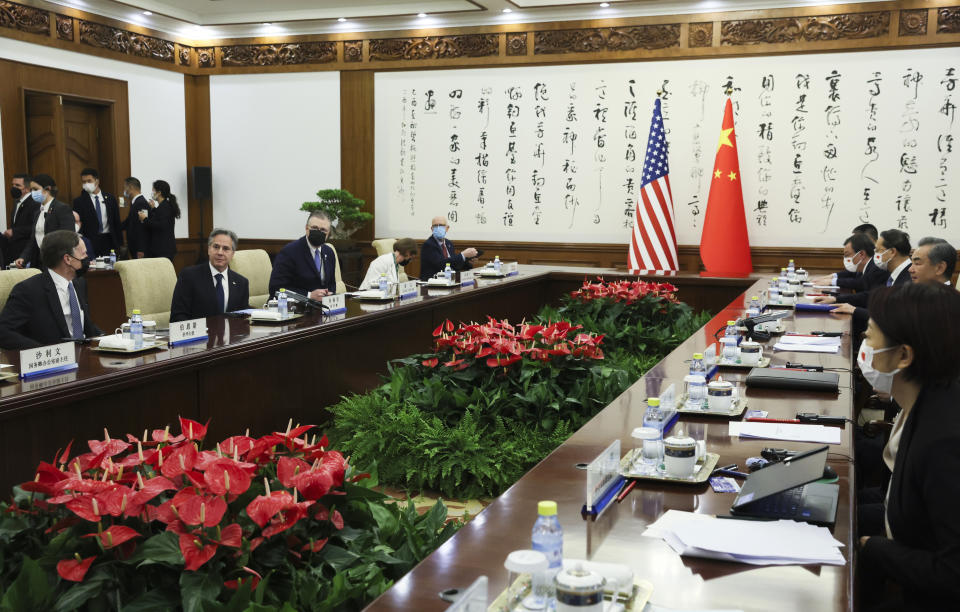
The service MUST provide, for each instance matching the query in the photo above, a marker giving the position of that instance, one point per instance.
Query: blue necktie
(96, 207)
(75, 321)
(890, 282)
(318, 263)
(220, 300)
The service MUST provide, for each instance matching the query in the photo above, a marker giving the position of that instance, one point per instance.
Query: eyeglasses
(221, 247)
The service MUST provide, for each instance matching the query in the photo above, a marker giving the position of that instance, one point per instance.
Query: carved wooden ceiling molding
(700, 35)
(948, 20)
(123, 41)
(206, 57)
(516, 43)
(64, 27)
(286, 54)
(809, 29)
(434, 47)
(24, 18)
(353, 51)
(913, 22)
(591, 40)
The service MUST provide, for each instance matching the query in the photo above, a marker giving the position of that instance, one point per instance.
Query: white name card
(602, 472)
(467, 278)
(668, 397)
(408, 289)
(188, 331)
(48, 359)
(335, 303)
(512, 268)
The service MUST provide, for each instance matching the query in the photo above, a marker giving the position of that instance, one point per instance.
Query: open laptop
(786, 490)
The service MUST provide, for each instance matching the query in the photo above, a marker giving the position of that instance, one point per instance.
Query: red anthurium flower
(108, 447)
(264, 507)
(195, 552)
(115, 535)
(337, 465)
(202, 510)
(431, 363)
(315, 546)
(226, 476)
(64, 457)
(236, 445)
(74, 569)
(288, 517)
(152, 488)
(313, 484)
(83, 506)
(336, 518)
(114, 501)
(164, 436)
(448, 324)
(295, 432)
(288, 467)
(180, 460)
(232, 536)
(193, 430)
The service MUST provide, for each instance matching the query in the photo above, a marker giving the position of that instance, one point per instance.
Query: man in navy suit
(307, 265)
(21, 226)
(210, 289)
(50, 307)
(136, 234)
(86, 241)
(99, 215)
(437, 251)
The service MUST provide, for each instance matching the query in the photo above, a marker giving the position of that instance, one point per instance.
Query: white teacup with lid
(751, 353)
(720, 395)
(680, 455)
(579, 590)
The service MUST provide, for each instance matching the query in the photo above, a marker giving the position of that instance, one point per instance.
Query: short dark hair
(133, 182)
(860, 241)
(895, 239)
(219, 231)
(57, 244)
(867, 228)
(90, 172)
(405, 245)
(46, 181)
(25, 177)
(941, 250)
(927, 317)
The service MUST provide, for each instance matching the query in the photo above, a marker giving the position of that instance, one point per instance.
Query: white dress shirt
(63, 292)
(896, 271)
(226, 285)
(98, 196)
(38, 229)
(19, 205)
(385, 264)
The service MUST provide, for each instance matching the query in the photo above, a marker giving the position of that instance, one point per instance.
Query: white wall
(158, 145)
(275, 143)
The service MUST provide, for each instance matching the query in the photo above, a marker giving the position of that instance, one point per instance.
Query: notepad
(792, 432)
(808, 344)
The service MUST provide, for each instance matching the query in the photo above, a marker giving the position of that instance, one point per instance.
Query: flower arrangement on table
(157, 522)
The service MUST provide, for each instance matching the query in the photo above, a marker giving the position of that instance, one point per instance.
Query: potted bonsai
(343, 209)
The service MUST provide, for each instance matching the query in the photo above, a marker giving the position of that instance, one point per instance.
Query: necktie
(319, 264)
(890, 282)
(75, 321)
(446, 253)
(96, 207)
(220, 300)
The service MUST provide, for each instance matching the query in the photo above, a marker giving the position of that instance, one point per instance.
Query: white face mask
(849, 265)
(878, 259)
(89, 187)
(881, 382)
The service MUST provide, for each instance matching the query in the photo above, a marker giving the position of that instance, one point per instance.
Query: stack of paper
(781, 542)
(792, 432)
(800, 343)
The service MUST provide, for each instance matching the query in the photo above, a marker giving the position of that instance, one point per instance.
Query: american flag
(654, 242)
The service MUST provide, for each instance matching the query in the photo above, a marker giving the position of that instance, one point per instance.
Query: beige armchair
(256, 267)
(9, 278)
(341, 287)
(384, 246)
(148, 285)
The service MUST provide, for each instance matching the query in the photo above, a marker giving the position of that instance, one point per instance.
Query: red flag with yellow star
(724, 244)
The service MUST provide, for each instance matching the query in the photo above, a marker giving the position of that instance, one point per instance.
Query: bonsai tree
(342, 208)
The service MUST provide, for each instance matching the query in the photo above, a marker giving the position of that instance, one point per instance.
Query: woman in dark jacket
(910, 350)
(159, 222)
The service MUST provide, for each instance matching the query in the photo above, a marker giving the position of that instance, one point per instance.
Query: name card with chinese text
(512, 268)
(408, 289)
(467, 278)
(193, 330)
(335, 303)
(48, 359)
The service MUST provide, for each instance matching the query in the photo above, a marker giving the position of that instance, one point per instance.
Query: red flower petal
(264, 507)
(448, 324)
(288, 468)
(194, 552)
(73, 570)
(152, 488)
(180, 460)
(224, 475)
(192, 430)
(202, 509)
(232, 536)
(313, 484)
(115, 535)
(431, 363)
(317, 546)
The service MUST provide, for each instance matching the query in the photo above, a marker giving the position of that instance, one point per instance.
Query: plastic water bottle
(382, 285)
(653, 416)
(497, 266)
(282, 303)
(754, 308)
(113, 258)
(136, 329)
(697, 367)
(547, 537)
(731, 330)
(784, 281)
(448, 273)
(791, 269)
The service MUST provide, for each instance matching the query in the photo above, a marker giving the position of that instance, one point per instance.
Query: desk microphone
(303, 299)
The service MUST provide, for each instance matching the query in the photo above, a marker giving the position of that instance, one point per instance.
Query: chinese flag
(724, 244)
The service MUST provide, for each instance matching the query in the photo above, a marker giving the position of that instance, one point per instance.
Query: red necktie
(446, 253)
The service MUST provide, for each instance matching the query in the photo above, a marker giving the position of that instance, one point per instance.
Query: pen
(732, 466)
(626, 490)
(759, 420)
(731, 473)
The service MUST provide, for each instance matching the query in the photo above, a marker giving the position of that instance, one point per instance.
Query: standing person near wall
(159, 220)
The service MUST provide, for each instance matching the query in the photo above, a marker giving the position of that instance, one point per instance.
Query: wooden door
(45, 136)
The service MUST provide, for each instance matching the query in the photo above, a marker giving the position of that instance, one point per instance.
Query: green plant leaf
(338, 558)
(198, 587)
(161, 548)
(30, 591)
(384, 517)
(155, 599)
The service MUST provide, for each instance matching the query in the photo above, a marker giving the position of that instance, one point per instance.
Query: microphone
(303, 299)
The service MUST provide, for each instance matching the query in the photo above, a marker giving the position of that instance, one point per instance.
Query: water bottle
(697, 366)
(784, 282)
(731, 330)
(773, 293)
(282, 303)
(547, 537)
(696, 391)
(497, 266)
(383, 283)
(113, 258)
(791, 269)
(448, 273)
(753, 309)
(136, 329)
(653, 416)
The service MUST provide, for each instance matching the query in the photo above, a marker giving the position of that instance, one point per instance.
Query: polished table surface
(481, 546)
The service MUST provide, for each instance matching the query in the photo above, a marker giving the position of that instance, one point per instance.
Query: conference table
(258, 376)
(482, 545)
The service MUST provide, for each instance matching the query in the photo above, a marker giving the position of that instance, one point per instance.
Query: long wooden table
(259, 376)
(481, 546)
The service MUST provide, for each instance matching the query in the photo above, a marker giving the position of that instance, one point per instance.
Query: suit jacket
(294, 269)
(861, 315)
(83, 205)
(136, 233)
(924, 554)
(59, 217)
(433, 261)
(34, 317)
(195, 295)
(88, 245)
(159, 230)
(870, 278)
(22, 227)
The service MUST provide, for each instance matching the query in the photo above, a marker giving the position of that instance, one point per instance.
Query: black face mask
(16, 192)
(84, 266)
(317, 237)
(402, 262)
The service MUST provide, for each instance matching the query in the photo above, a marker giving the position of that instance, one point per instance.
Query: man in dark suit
(860, 273)
(437, 251)
(21, 226)
(86, 241)
(99, 215)
(51, 215)
(210, 289)
(307, 265)
(50, 307)
(136, 234)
